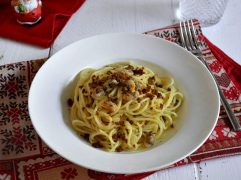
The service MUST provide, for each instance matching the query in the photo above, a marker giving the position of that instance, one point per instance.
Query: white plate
(51, 88)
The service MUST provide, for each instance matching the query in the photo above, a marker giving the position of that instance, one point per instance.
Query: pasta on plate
(123, 107)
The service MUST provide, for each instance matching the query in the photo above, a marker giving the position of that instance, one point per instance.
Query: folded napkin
(23, 155)
(55, 14)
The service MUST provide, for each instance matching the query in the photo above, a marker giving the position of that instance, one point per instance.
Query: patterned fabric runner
(23, 155)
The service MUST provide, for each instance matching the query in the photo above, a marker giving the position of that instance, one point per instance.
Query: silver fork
(189, 42)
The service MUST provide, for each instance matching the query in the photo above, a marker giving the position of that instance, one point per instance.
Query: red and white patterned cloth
(23, 155)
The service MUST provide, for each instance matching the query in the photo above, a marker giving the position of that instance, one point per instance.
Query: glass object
(208, 12)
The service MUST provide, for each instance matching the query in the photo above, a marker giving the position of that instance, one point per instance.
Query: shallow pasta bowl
(52, 86)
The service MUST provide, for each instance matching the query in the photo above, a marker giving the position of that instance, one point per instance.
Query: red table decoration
(55, 15)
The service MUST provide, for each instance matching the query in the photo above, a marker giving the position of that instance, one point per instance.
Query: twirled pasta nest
(123, 107)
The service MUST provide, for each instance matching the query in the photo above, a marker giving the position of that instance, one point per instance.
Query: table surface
(106, 16)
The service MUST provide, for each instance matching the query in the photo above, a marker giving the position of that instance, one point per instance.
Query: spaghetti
(123, 107)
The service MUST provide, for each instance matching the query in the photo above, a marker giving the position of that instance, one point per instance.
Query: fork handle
(234, 121)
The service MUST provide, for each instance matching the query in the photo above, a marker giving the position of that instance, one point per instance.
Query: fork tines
(188, 35)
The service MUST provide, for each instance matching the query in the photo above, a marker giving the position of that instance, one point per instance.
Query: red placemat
(55, 14)
(23, 155)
